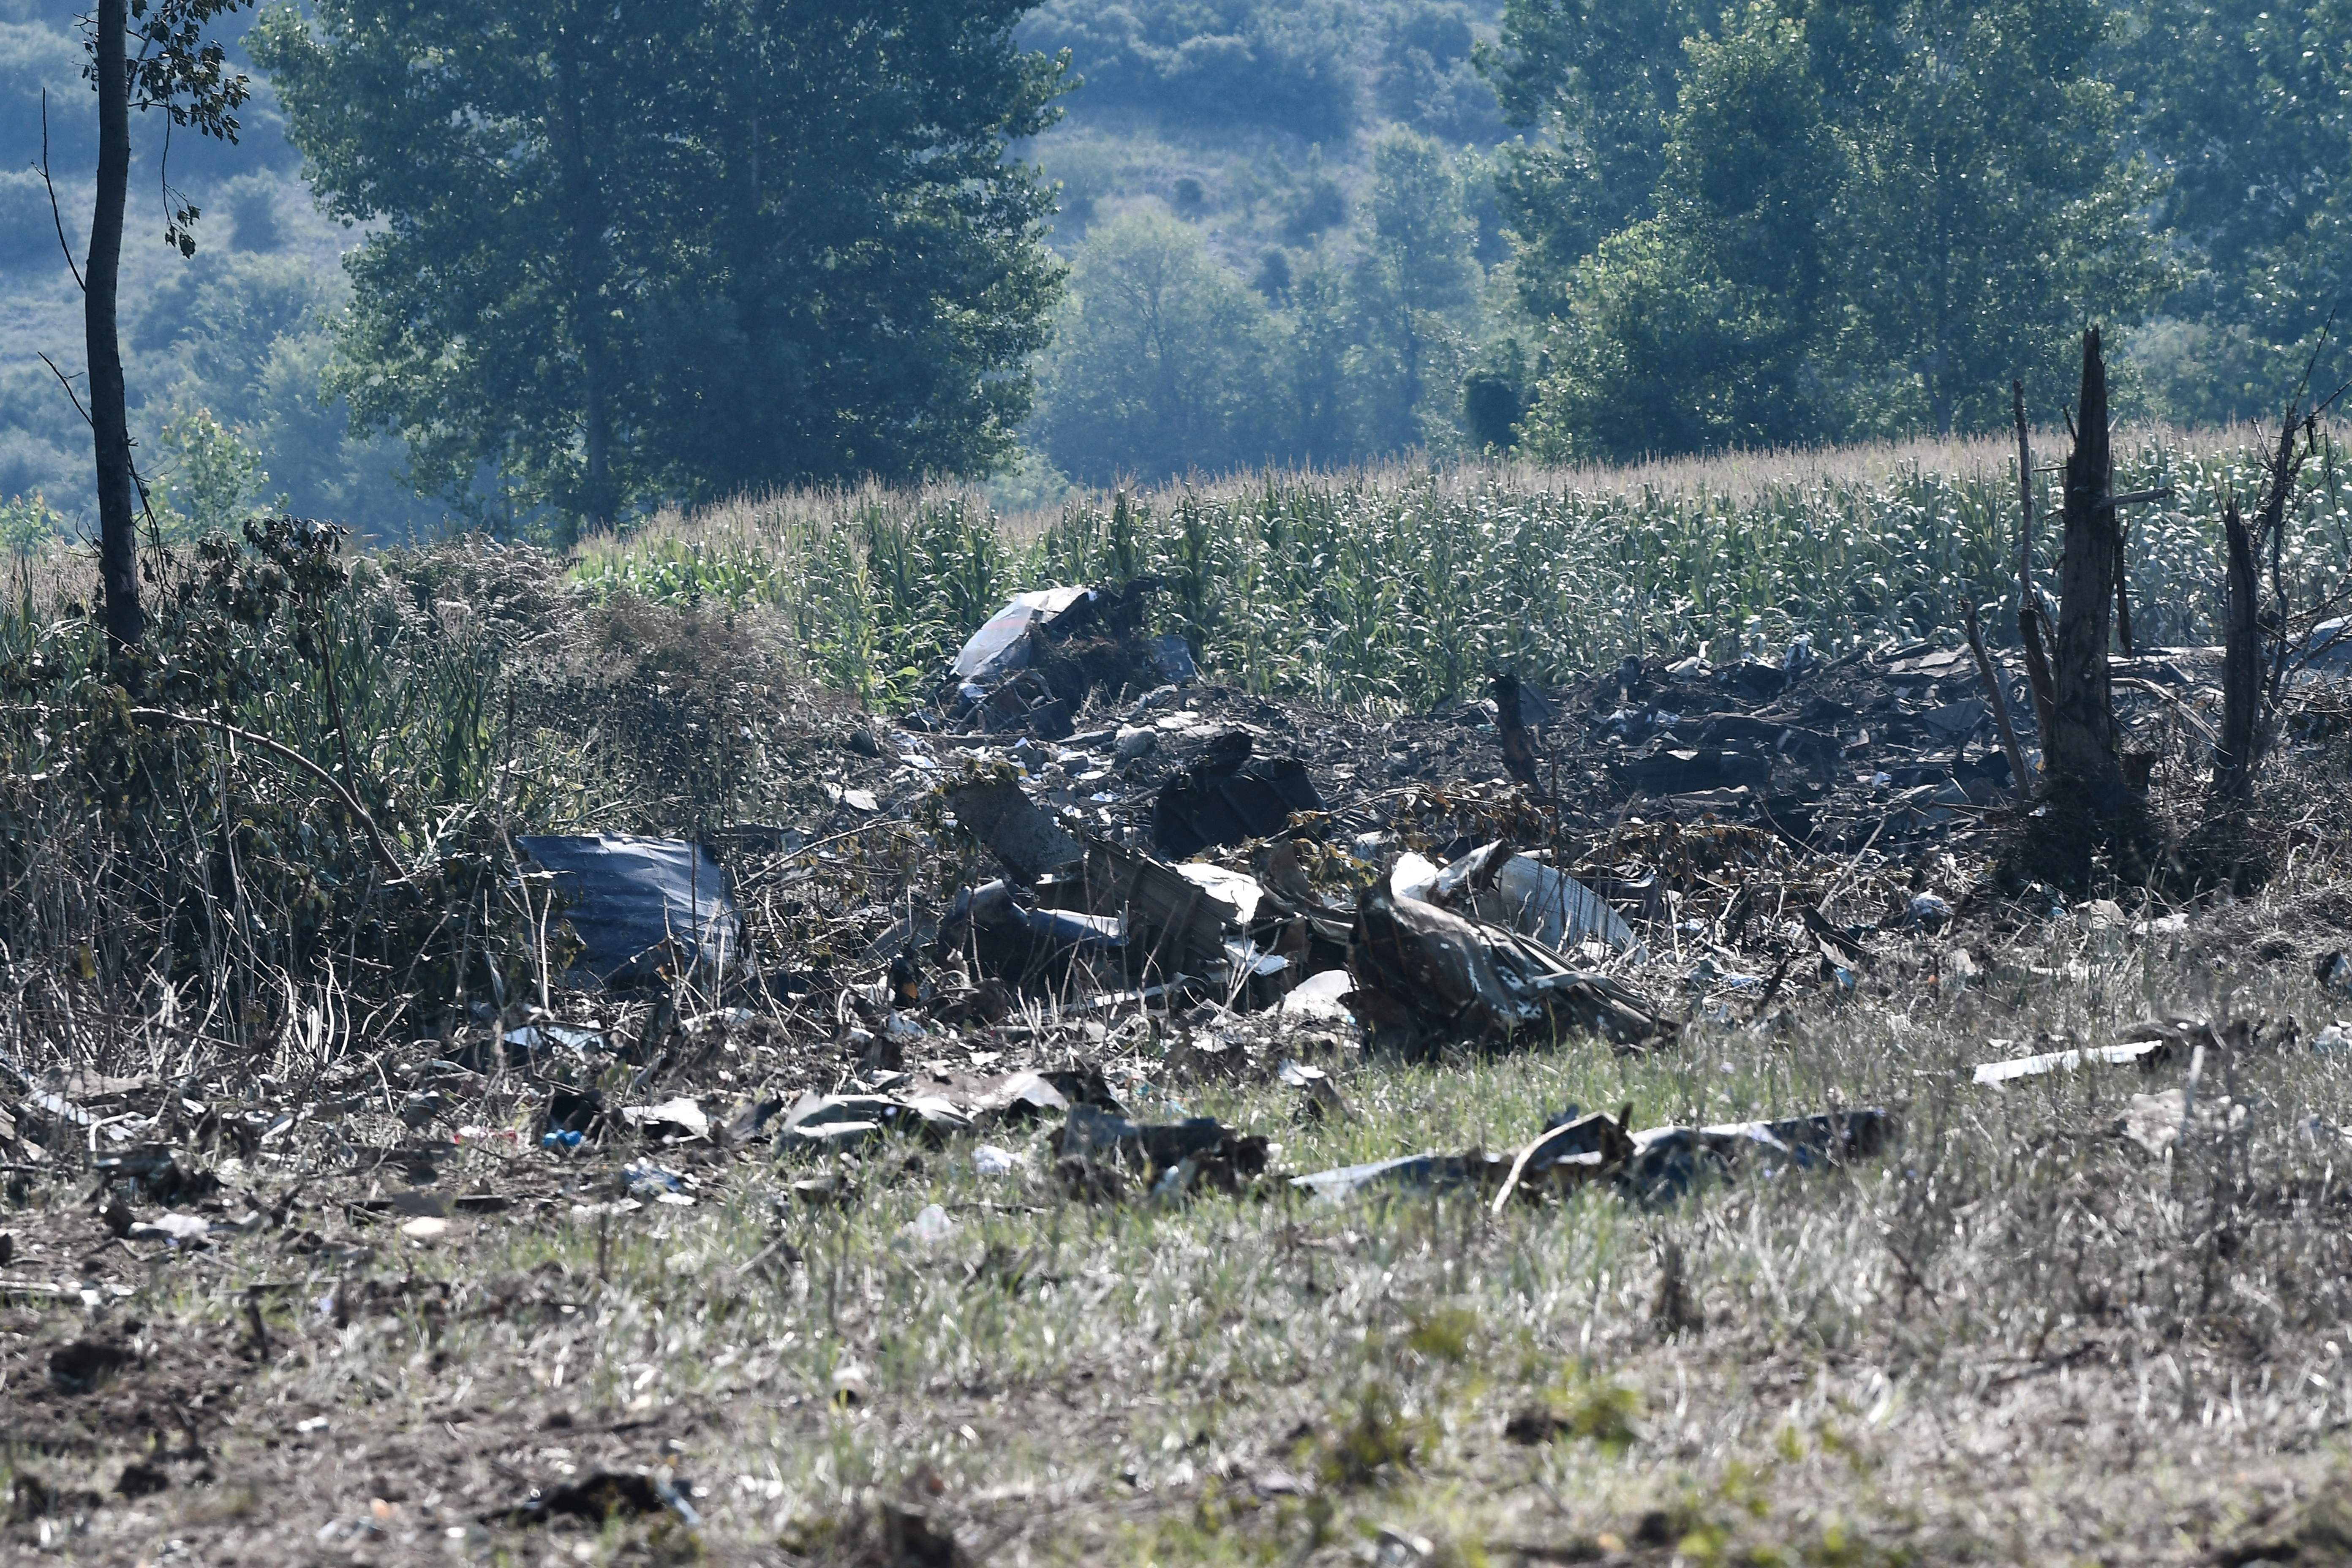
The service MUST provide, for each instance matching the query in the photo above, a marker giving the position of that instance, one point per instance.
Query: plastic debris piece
(639, 905)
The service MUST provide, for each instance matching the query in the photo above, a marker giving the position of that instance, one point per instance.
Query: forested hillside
(1226, 232)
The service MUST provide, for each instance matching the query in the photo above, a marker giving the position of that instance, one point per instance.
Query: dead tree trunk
(110, 420)
(2031, 631)
(1511, 724)
(2233, 761)
(2240, 750)
(2081, 745)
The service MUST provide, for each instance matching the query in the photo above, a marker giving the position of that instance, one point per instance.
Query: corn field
(1403, 587)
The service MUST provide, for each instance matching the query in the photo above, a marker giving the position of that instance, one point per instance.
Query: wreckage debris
(1019, 832)
(833, 1123)
(1572, 1150)
(1424, 976)
(1230, 797)
(1021, 944)
(1175, 1157)
(1405, 1174)
(640, 906)
(1668, 1161)
(1497, 884)
(2139, 1052)
(1033, 665)
(2148, 1043)
(602, 1496)
(1658, 1164)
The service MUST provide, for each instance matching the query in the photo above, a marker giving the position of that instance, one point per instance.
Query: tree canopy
(635, 253)
(1867, 219)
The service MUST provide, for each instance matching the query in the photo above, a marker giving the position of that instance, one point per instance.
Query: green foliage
(1373, 1446)
(1416, 293)
(212, 480)
(1160, 359)
(27, 522)
(1289, 67)
(1598, 80)
(1861, 224)
(1166, 364)
(677, 252)
(2242, 102)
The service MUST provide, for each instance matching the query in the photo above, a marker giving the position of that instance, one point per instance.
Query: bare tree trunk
(2123, 586)
(1990, 673)
(1511, 725)
(118, 498)
(2030, 628)
(2234, 770)
(2241, 665)
(2081, 745)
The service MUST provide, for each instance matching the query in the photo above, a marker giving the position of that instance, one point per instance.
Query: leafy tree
(1869, 217)
(26, 522)
(1985, 215)
(1597, 82)
(2244, 105)
(1694, 327)
(1319, 396)
(175, 70)
(1426, 76)
(1160, 365)
(637, 252)
(213, 479)
(1417, 285)
(1287, 67)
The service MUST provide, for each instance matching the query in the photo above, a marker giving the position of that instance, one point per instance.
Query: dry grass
(1997, 1342)
(1734, 476)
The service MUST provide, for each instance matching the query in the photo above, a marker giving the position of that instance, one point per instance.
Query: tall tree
(1989, 211)
(1597, 82)
(175, 70)
(631, 252)
(1700, 326)
(2246, 108)
(1417, 284)
(1162, 363)
(1870, 216)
